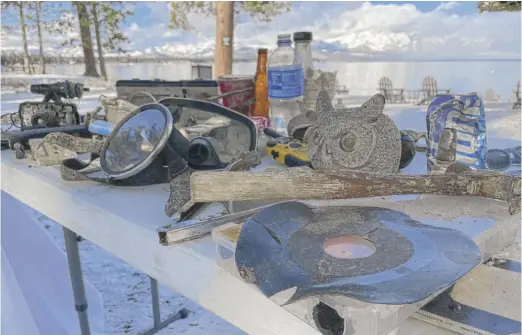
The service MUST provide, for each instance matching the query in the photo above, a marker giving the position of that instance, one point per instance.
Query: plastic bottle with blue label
(285, 83)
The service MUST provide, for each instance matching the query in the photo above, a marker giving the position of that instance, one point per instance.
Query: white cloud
(134, 27)
(398, 30)
(447, 5)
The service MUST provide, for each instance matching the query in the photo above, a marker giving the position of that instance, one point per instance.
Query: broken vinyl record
(291, 251)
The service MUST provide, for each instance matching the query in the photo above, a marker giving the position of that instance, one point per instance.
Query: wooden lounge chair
(490, 95)
(392, 95)
(430, 90)
(342, 90)
(517, 103)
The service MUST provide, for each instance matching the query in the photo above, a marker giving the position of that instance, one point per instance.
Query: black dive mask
(158, 141)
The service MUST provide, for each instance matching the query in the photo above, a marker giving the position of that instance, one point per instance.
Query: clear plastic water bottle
(285, 83)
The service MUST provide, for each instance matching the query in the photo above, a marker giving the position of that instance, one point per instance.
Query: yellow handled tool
(286, 150)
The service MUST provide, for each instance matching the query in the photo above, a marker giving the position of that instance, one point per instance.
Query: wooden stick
(307, 184)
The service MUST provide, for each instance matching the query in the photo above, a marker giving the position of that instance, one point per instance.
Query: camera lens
(497, 159)
(407, 150)
(41, 119)
(39, 88)
(78, 90)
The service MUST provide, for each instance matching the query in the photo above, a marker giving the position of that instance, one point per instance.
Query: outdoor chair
(390, 94)
(490, 95)
(430, 90)
(342, 90)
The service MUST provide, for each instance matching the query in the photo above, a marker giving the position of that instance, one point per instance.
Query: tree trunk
(85, 32)
(224, 38)
(40, 42)
(96, 24)
(27, 59)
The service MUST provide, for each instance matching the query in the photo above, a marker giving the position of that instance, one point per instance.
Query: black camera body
(47, 114)
(52, 111)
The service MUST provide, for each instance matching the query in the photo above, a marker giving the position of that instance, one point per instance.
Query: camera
(52, 111)
(58, 91)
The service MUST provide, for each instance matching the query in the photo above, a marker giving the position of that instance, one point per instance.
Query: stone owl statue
(360, 138)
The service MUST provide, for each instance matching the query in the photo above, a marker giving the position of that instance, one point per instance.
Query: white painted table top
(123, 220)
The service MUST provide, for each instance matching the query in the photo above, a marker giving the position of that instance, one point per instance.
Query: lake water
(361, 78)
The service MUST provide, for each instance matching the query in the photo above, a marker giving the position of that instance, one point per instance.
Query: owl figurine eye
(348, 142)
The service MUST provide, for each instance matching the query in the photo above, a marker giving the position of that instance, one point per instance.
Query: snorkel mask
(163, 142)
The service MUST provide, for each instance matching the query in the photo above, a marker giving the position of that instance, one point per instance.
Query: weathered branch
(307, 184)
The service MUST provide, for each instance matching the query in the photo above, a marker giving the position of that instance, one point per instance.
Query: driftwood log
(307, 184)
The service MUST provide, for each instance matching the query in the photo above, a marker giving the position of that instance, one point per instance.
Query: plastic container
(456, 132)
(242, 102)
(285, 84)
(100, 127)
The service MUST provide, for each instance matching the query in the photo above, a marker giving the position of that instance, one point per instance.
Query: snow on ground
(126, 294)
(126, 291)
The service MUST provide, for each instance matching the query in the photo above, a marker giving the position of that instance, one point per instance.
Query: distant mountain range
(362, 48)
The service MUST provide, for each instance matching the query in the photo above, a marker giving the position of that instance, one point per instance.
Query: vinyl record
(371, 254)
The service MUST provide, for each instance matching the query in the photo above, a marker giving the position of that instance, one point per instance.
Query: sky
(398, 29)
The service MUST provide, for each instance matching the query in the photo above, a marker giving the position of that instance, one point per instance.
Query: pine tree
(19, 7)
(41, 16)
(259, 10)
(107, 18)
(499, 6)
(85, 33)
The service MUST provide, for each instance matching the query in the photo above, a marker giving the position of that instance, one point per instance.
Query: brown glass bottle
(262, 105)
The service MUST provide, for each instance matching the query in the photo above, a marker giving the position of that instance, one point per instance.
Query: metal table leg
(155, 302)
(158, 325)
(75, 271)
(80, 300)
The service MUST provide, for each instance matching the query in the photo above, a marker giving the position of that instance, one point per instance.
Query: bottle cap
(302, 36)
(284, 37)
(261, 50)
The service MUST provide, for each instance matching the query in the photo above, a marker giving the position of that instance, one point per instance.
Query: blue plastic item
(100, 127)
(456, 132)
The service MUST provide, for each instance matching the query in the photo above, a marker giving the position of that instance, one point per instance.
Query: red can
(243, 101)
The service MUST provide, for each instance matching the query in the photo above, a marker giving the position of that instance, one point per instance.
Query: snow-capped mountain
(356, 45)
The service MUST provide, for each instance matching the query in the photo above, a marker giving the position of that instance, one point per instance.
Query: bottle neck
(284, 43)
(261, 62)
